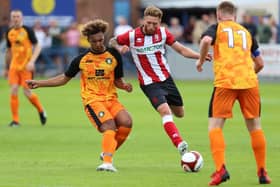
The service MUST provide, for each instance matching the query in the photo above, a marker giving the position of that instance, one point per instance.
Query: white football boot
(183, 147)
(106, 167)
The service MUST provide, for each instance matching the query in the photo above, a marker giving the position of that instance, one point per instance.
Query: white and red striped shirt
(148, 53)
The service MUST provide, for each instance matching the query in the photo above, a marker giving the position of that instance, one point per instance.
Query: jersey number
(231, 37)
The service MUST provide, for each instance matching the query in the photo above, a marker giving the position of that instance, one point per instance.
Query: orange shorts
(99, 112)
(223, 99)
(19, 77)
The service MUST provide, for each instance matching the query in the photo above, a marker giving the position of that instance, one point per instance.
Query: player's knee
(127, 122)
(179, 114)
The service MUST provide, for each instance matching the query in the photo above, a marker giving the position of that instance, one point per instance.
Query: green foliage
(65, 152)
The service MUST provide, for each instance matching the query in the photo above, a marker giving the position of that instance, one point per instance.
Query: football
(192, 161)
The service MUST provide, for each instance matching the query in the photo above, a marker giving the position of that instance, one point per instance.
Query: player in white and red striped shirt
(147, 45)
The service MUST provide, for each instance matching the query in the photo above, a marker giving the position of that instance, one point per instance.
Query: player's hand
(123, 49)
(199, 64)
(32, 84)
(128, 87)
(30, 66)
(209, 57)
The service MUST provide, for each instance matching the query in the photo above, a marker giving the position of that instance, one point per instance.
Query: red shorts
(17, 77)
(223, 99)
(99, 112)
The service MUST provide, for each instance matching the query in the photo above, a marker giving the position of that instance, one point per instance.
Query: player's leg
(101, 118)
(250, 106)
(156, 93)
(178, 111)
(32, 97)
(124, 124)
(220, 108)
(174, 98)
(13, 78)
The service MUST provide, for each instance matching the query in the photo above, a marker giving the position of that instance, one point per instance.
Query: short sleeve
(8, 43)
(211, 31)
(123, 39)
(31, 35)
(170, 39)
(119, 67)
(74, 67)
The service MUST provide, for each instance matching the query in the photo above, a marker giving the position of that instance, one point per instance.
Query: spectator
(274, 30)
(264, 31)
(200, 27)
(56, 51)
(188, 31)
(122, 26)
(248, 23)
(83, 43)
(176, 29)
(43, 62)
(71, 40)
(4, 27)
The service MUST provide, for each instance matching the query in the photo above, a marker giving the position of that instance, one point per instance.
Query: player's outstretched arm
(52, 82)
(121, 84)
(205, 44)
(185, 51)
(188, 52)
(120, 48)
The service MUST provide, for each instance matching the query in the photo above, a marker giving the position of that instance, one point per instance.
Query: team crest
(108, 60)
(101, 114)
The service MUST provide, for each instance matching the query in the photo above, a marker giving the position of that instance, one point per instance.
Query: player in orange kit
(237, 61)
(20, 60)
(101, 72)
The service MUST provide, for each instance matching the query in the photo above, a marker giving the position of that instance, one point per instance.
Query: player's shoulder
(113, 51)
(27, 28)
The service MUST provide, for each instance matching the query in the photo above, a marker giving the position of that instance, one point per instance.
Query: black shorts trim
(94, 116)
(210, 110)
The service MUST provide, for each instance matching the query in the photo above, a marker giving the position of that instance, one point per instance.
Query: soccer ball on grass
(192, 161)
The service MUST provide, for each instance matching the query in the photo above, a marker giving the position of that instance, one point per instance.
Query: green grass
(65, 152)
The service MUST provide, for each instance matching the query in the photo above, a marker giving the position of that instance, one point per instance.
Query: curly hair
(95, 26)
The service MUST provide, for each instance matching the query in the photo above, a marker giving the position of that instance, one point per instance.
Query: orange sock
(259, 147)
(35, 101)
(109, 145)
(217, 145)
(121, 135)
(14, 103)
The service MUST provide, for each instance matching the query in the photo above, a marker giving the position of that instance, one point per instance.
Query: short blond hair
(94, 27)
(153, 11)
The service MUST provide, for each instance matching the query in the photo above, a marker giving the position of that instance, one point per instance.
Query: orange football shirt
(98, 73)
(233, 64)
(20, 41)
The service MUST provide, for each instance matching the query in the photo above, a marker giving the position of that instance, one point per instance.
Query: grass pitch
(65, 152)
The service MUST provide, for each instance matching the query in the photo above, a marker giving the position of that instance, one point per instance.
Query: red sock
(173, 133)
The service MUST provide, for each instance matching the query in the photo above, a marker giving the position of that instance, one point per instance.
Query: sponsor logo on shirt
(150, 49)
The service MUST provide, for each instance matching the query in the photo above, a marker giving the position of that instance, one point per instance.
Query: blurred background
(57, 25)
